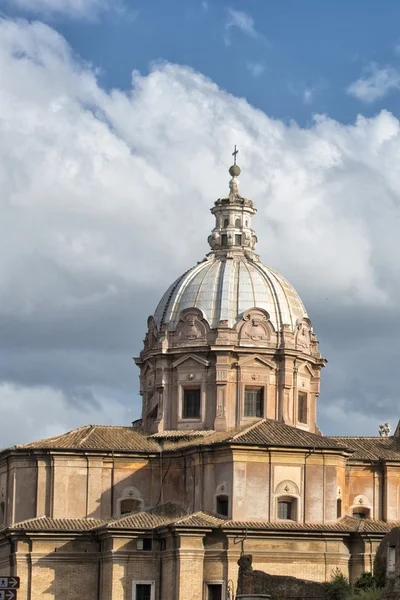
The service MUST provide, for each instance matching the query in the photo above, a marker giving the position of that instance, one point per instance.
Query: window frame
(151, 582)
(186, 389)
(339, 505)
(218, 498)
(260, 389)
(302, 396)
(140, 541)
(220, 582)
(294, 509)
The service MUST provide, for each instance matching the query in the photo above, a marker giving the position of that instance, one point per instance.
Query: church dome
(224, 288)
(231, 279)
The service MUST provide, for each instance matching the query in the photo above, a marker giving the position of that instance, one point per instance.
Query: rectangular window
(224, 239)
(238, 239)
(253, 401)
(222, 505)
(145, 544)
(302, 411)
(284, 510)
(191, 404)
(143, 590)
(214, 591)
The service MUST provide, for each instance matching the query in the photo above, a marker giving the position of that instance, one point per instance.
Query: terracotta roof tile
(346, 524)
(175, 515)
(371, 448)
(199, 519)
(99, 437)
(264, 432)
(148, 519)
(181, 433)
(48, 524)
(270, 433)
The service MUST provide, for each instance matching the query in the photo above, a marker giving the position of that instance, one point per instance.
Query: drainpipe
(112, 485)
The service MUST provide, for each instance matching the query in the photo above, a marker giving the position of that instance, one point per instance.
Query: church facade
(227, 458)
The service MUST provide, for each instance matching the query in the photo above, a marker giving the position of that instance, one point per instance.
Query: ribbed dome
(224, 288)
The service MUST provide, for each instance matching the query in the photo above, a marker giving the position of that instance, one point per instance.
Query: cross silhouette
(234, 155)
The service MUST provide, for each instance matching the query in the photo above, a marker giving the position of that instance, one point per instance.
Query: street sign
(8, 594)
(9, 583)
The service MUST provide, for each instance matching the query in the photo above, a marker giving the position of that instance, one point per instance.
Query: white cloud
(105, 199)
(376, 84)
(239, 20)
(73, 8)
(255, 68)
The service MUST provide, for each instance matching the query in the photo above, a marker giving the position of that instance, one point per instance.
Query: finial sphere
(234, 171)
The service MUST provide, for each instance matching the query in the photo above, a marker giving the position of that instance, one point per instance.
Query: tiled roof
(148, 519)
(265, 432)
(371, 448)
(99, 437)
(181, 433)
(346, 524)
(171, 514)
(48, 524)
(269, 432)
(199, 519)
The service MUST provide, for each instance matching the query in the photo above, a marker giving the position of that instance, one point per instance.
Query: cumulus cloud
(105, 199)
(239, 20)
(375, 84)
(72, 8)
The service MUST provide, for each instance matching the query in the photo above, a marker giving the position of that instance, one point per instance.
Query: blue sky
(290, 59)
(117, 123)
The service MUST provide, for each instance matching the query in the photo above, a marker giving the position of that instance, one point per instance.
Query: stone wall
(278, 586)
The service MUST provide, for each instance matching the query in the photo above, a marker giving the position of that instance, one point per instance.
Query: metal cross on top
(234, 153)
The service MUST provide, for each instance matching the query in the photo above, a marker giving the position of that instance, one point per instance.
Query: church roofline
(173, 516)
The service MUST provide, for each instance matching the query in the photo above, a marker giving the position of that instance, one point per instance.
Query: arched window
(338, 508)
(223, 505)
(130, 501)
(361, 507)
(287, 508)
(226, 222)
(129, 505)
(237, 223)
